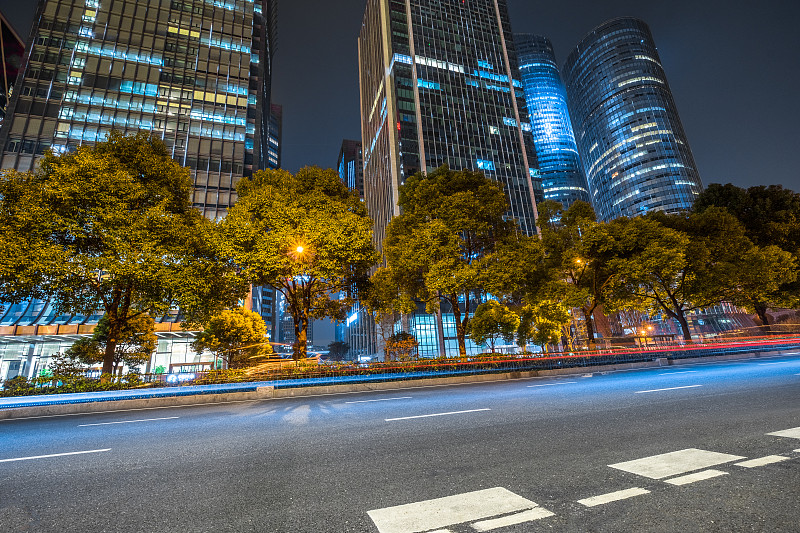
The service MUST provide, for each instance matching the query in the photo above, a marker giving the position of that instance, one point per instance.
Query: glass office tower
(559, 164)
(12, 50)
(439, 85)
(195, 72)
(632, 145)
(351, 165)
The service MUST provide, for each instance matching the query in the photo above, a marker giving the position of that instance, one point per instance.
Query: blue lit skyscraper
(559, 165)
(634, 151)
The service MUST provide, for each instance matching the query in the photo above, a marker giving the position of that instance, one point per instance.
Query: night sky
(732, 65)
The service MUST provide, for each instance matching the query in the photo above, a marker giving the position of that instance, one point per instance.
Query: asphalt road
(680, 448)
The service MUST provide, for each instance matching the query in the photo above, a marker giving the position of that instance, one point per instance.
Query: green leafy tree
(134, 346)
(111, 228)
(493, 321)
(578, 252)
(237, 336)
(338, 350)
(308, 236)
(440, 248)
(542, 323)
(678, 263)
(401, 346)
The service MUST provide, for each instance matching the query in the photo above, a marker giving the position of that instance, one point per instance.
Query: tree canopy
(111, 228)
(307, 235)
(493, 321)
(237, 336)
(440, 248)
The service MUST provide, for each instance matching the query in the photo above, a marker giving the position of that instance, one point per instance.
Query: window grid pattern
(559, 165)
(632, 145)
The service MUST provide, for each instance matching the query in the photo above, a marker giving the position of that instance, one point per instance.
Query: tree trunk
(108, 358)
(587, 317)
(301, 338)
(681, 316)
(761, 311)
(460, 327)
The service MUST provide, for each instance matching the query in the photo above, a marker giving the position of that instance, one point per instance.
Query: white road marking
(128, 421)
(793, 433)
(674, 463)
(551, 384)
(669, 388)
(761, 461)
(681, 372)
(435, 414)
(449, 511)
(778, 363)
(613, 497)
(512, 520)
(52, 455)
(697, 476)
(381, 400)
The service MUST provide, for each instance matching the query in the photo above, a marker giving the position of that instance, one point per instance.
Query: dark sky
(733, 66)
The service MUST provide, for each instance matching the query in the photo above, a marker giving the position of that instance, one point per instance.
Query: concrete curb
(268, 392)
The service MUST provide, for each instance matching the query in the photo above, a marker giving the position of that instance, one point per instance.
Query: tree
(134, 346)
(338, 350)
(578, 251)
(678, 263)
(542, 323)
(111, 228)
(308, 236)
(401, 346)
(492, 321)
(237, 336)
(438, 249)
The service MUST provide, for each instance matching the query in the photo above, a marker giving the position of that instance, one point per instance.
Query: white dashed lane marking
(551, 384)
(128, 421)
(793, 433)
(436, 414)
(681, 372)
(512, 520)
(668, 388)
(464, 508)
(697, 476)
(761, 461)
(675, 463)
(52, 455)
(381, 400)
(613, 497)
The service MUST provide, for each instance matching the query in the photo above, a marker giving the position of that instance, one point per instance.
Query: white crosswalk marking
(793, 433)
(675, 463)
(761, 461)
(697, 476)
(512, 520)
(613, 497)
(452, 510)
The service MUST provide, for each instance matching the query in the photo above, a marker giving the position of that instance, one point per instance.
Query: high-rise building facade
(632, 145)
(12, 50)
(439, 84)
(351, 165)
(553, 138)
(196, 72)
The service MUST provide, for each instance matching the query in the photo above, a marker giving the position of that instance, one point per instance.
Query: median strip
(52, 455)
(436, 414)
(128, 421)
(669, 388)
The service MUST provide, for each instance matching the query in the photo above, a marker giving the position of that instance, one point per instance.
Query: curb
(269, 392)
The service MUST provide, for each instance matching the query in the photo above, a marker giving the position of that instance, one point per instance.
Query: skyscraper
(633, 148)
(559, 164)
(11, 51)
(197, 73)
(439, 85)
(351, 165)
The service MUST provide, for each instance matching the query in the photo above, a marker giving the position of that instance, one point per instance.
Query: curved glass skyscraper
(634, 151)
(559, 165)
